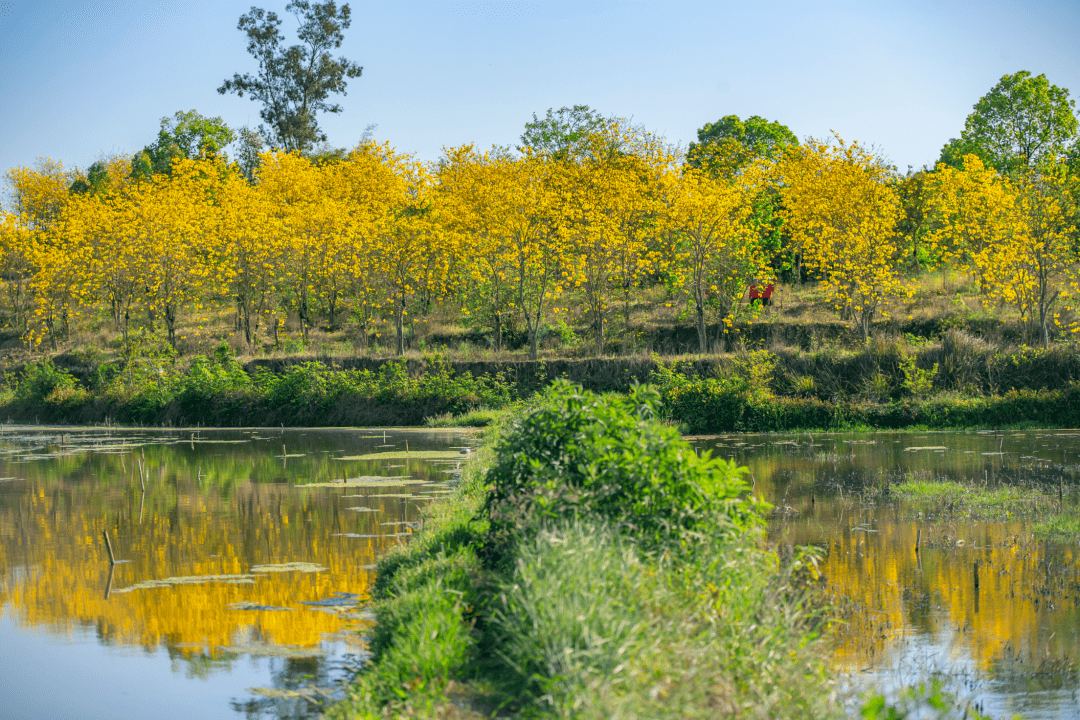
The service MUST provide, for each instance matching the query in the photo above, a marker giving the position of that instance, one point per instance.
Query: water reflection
(1010, 642)
(206, 510)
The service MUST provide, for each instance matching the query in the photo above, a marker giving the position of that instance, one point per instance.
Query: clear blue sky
(79, 78)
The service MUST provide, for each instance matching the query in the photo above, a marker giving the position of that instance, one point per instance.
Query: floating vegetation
(1061, 527)
(368, 481)
(304, 567)
(338, 599)
(254, 606)
(413, 455)
(279, 651)
(362, 509)
(380, 535)
(311, 693)
(928, 447)
(191, 580)
(948, 499)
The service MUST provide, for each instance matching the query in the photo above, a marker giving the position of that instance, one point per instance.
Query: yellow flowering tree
(842, 209)
(1016, 236)
(710, 246)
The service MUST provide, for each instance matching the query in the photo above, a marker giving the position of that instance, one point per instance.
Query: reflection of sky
(76, 677)
(911, 621)
(948, 657)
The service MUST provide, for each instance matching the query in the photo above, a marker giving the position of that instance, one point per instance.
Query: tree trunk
(399, 321)
(703, 338)
(170, 324)
(599, 334)
(498, 331)
(533, 326)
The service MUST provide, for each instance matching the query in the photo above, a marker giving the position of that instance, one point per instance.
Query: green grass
(539, 590)
(943, 500)
(963, 495)
(474, 418)
(1065, 526)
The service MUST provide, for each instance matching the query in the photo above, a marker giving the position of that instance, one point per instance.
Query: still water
(1010, 645)
(237, 591)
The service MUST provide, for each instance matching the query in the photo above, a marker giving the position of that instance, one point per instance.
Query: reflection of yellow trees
(53, 570)
(876, 577)
(892, 598)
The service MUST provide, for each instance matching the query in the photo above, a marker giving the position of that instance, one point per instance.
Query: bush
(41, 379)
(209, 381)
(578, 455)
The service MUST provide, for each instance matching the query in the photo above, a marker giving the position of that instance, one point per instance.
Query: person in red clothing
(762, 293)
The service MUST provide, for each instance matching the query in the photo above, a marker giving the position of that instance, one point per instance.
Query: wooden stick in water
(108, 546)
(108, 583)
(918, 540)
(976, 574)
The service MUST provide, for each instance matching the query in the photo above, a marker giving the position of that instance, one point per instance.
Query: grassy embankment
(756, 391)
(591, 564)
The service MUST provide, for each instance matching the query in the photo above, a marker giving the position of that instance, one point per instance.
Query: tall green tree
(294, 83)
(185, 135)
(562, 131)
(728, 145)
(1022, 124)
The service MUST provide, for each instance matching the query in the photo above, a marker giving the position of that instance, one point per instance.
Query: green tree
(724, 148)
(1023, 123)
(562, 131)
(728, 145)
(186, 135)
(294, 83)
(97, 180)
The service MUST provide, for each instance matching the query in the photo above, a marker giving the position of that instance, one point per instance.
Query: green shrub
(41, 379)
(608, 459)
(209, 381)
(917, 382)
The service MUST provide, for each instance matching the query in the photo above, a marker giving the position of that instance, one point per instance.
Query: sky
(80, 79)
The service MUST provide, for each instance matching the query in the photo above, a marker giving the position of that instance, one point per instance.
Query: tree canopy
(729, 144)
(561, 131)
(294, 83)
(186, 135)
(1021, 124)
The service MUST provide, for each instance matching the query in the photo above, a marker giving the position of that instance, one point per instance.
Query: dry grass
(659, 323)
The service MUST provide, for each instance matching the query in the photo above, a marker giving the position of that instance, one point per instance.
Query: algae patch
(414, 455)
(191, 580)
(367, 481)
(246, 605)
(303, 567)
(279, 651)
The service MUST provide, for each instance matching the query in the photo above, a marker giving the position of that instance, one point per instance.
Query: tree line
(588, 207)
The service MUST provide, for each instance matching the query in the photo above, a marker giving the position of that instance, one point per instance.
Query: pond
(243, 559)
(986, 605)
